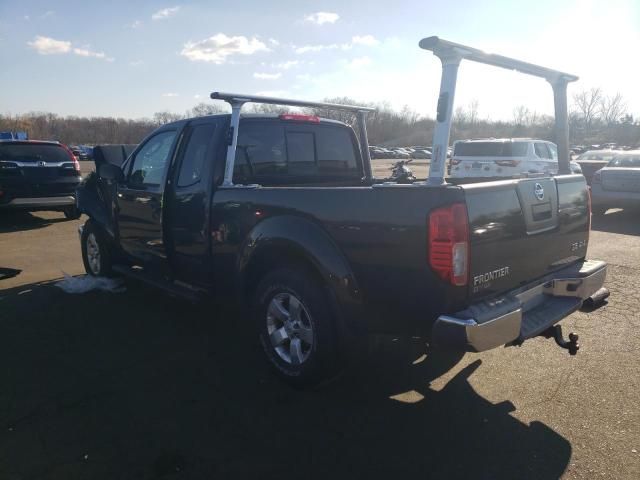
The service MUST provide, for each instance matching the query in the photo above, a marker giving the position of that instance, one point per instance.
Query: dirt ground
(139, 385)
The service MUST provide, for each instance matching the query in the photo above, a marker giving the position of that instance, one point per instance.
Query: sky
(133, 58)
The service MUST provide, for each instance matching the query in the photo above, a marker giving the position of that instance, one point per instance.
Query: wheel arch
(289, 240)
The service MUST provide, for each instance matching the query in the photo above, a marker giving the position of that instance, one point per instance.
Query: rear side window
(151, 160)
(625, 161)
(33, 153)
(542, 151)
(195, 155)
(491, 149)
(274, 152)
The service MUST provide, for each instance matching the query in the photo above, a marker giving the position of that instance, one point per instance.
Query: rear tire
(71, 213)
(296, 327)
(96, 251)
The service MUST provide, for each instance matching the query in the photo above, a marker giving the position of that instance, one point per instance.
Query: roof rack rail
(237, 100)
(451, 54)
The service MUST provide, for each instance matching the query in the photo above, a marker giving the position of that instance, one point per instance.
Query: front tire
(96, 251)
(296, 327)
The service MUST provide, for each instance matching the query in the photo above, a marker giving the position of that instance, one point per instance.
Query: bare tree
(203, 109)
(587, 105)
(612, 108)
(161, 118)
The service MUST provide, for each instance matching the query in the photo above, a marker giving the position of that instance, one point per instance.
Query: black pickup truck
(282, 212)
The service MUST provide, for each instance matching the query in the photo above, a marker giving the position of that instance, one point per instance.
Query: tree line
(595, 118)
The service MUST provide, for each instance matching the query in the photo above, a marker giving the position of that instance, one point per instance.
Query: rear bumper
(522, 313)
(609, 198)
(40, 202)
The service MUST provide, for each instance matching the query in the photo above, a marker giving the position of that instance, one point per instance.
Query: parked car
(421, 154)
(37, 175)
(319, 268)
(618, 184)
(593, 160)
(504, 157)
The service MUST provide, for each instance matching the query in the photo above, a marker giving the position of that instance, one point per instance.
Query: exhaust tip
(596, 300)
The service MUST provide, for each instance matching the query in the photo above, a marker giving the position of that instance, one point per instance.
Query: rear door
(187, 197)
(140, 199)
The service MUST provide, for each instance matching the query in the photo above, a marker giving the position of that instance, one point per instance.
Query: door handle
(142, 199)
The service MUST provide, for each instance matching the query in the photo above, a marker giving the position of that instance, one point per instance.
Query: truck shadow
(16, 221)
(138, 385)
(618, 221)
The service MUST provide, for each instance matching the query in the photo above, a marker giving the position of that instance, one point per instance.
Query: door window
(542, 151)
(195, 155)
(150, 163)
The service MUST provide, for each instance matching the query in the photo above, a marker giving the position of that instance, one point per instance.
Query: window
(151, 160)
(491, 149)
(32, 152)
(301, 154)
(193, 160)
(336, 152)
(260, 151)
(625, 161)
(542, 151)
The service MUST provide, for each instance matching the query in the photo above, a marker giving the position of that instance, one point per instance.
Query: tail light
(597, 177)
(449, 243)
(76, 163)
(589, 208)
(297, 117)
(507, 163)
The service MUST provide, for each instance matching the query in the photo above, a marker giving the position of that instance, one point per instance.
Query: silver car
(618, 184)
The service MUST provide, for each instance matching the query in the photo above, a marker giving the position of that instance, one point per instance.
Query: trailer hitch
(555, 332)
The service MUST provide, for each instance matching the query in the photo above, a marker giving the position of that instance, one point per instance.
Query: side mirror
(109, 171)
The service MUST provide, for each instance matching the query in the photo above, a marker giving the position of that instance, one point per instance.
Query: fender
(305, 238)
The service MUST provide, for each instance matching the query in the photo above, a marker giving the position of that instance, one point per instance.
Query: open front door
(140, 198)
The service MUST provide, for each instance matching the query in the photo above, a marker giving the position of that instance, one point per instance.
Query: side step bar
(181, 290)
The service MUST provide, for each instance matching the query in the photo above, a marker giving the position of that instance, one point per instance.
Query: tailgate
(521, 230)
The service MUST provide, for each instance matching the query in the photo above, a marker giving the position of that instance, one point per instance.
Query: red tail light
(76, 163)
(449, 243)
(507, 163)
(298, 117)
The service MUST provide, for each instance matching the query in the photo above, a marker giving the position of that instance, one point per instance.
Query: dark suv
(37, 175)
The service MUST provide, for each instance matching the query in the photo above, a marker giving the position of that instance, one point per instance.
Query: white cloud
(267, 76)
(197, 96)
(320, 18)
(359, 62)
(49, 46)
(303, 76)
(135, 63)
(274, 42)
(47, 14)
(136, 24)
(286, 65)
(217, 48)
(271, 93)
(366, 40)
(165, 13)
(85, 52)
(27, 18)
(170, 94)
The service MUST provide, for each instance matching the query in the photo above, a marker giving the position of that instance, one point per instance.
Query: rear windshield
(33, 152)
(625, 161)
(273, 149)
(491, 149)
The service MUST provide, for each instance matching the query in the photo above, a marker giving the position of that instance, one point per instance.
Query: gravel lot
(141, 385)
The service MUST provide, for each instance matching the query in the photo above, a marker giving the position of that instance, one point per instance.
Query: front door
(140, 199)
(187, 202)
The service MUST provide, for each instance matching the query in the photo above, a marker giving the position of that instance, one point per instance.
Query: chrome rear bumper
(522, 313)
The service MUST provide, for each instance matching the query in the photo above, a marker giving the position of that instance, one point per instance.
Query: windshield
(33, 152)
(601, 156)
(625, 161)
(491, 149)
